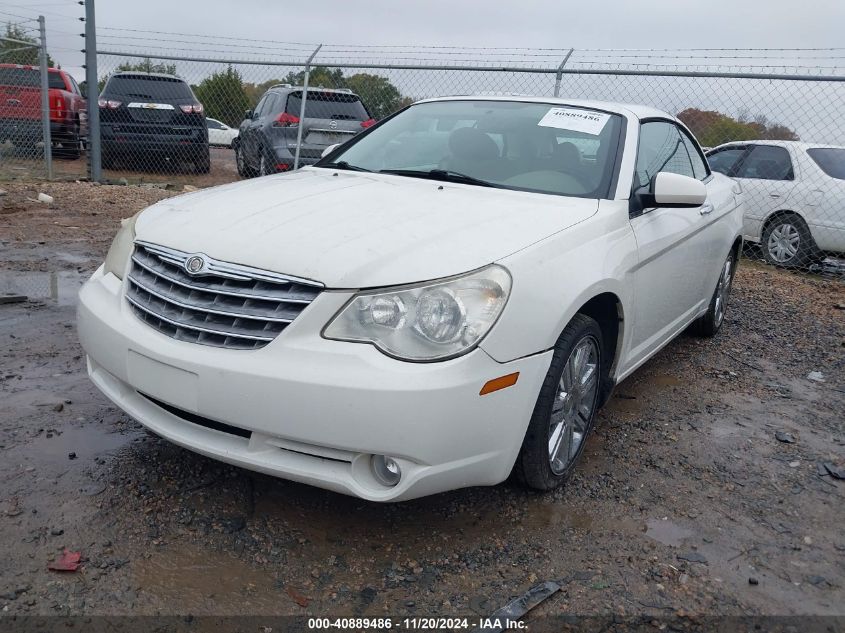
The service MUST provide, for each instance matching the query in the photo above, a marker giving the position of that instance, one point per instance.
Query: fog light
(385, 470)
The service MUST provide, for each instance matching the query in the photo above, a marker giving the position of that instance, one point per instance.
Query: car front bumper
(313, 410)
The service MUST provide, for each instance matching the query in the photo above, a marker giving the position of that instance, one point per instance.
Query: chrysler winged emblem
(194, 264)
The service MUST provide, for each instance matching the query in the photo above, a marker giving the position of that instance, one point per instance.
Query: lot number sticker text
(586, 121)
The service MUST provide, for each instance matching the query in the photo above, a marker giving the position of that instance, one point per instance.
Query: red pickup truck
(20, 109)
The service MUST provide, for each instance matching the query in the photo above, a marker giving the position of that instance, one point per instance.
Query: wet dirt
(684, 493)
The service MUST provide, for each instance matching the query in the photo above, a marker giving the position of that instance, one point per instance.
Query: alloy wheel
(723, 290)
(574, 405)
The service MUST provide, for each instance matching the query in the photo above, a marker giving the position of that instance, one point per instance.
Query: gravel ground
(686, 503)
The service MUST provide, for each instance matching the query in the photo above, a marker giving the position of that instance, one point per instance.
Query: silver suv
(267, 138)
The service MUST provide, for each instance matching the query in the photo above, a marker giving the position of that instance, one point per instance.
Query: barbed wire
(26, 18)
(45, 13)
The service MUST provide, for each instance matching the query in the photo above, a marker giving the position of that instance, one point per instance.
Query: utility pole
(92, 93)
(45, 98)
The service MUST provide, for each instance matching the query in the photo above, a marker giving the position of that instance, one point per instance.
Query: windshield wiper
(440, 174)
(344, 165)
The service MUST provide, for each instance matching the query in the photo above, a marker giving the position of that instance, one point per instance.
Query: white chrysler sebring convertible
(442, 300)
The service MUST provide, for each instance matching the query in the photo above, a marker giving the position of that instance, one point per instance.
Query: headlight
(434, 321)
(121, 247)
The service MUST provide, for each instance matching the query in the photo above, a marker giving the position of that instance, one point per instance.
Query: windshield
(831, 160)
(149, 87)
(563, 150)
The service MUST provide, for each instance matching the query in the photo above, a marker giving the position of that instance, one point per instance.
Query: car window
(271, 106)
(767, 162)
(339, 106)
(661, 149)
(30, 78)
(74, 85)
(211, 124)
(723, 160)
(539, 147)
(699, 167)
(831, 160)
(149, 87)
(260, 107)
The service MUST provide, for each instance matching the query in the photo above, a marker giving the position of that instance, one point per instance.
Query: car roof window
(767, 162)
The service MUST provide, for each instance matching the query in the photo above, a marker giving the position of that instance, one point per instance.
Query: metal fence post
(302, 105)
(559, 74)
(92, 94)
(45, 97)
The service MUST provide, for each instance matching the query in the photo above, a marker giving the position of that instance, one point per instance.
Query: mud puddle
(213, 583)
(667, 532)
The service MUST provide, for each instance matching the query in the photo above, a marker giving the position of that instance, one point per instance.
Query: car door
(673, 244)
(250, 131)
(767, 176)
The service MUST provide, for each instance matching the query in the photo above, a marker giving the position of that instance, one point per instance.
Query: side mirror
(674, 190)
(248, 114)
(329, 150)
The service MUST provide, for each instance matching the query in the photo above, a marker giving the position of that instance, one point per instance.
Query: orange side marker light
(502, 382)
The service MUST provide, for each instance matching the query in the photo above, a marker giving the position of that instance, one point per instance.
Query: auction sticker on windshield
(587, 121)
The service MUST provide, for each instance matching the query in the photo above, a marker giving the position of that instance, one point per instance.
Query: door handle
(774, 195)
(706, 208)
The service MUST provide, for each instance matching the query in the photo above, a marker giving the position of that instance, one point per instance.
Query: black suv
(152, 116)
(266, 142)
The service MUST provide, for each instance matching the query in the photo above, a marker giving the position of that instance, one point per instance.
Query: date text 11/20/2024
(417, 624)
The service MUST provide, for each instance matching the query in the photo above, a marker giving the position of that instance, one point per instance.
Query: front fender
(554, 278)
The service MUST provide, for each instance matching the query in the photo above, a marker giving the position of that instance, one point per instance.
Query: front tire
(787, 242)
(565, 409)
(711, 321)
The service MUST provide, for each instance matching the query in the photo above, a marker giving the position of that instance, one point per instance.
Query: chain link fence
(203, 111)
(26, 111)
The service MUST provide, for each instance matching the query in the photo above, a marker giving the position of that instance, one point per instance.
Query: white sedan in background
(219, 133)
(795, 197)
(444, 299)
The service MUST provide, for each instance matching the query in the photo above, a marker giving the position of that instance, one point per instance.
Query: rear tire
(565, 409)
(71, 147)
(787, 242)
(711, 321)
(202, 163)
(264, 168)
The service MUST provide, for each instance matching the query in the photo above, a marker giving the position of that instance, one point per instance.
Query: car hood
(358, 230)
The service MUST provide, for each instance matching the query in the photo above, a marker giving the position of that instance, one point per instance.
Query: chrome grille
(224, 305)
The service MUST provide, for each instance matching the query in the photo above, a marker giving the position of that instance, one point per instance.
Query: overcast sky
(525, 23)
